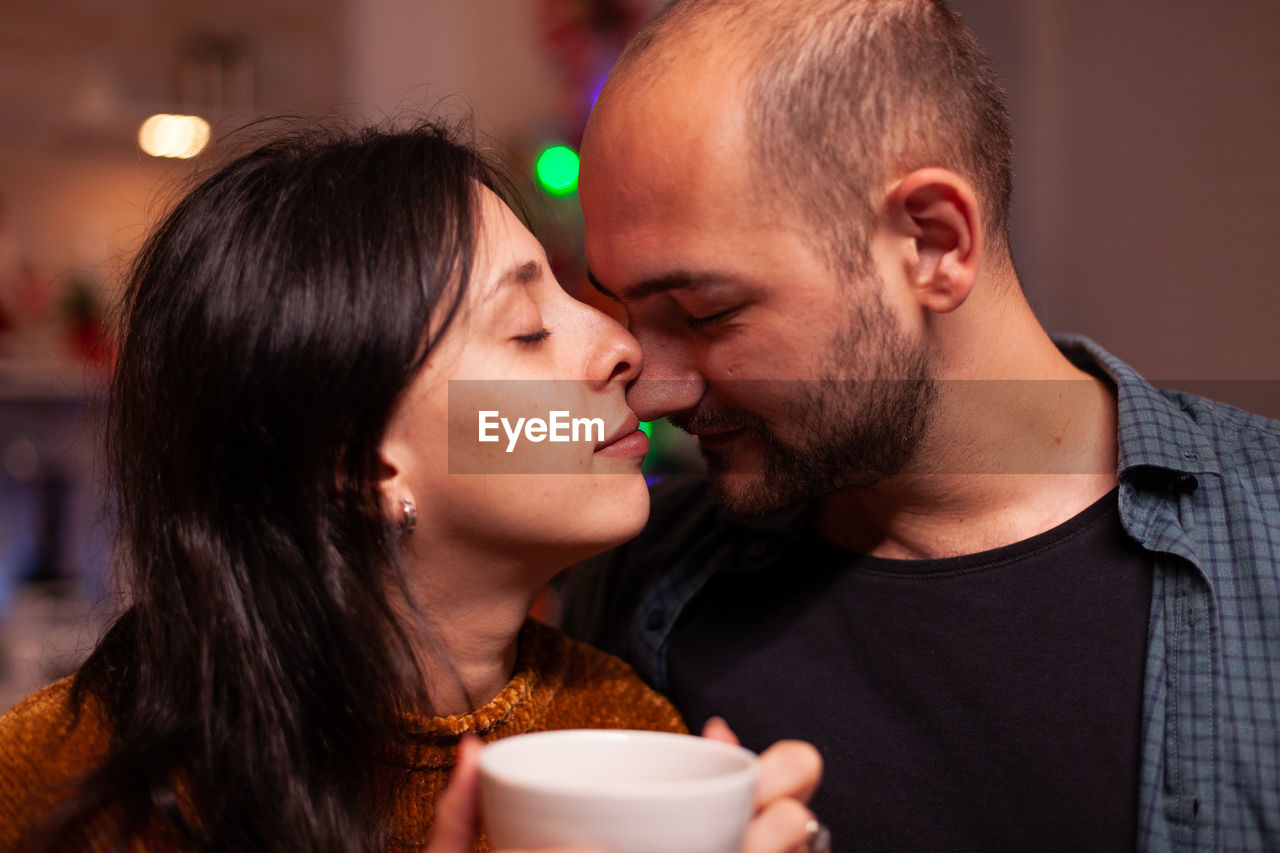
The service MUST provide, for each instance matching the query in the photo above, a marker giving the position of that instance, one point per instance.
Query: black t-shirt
(981, 703)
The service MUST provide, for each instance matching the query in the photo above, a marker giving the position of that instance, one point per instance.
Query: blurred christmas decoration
(83, 311)
(23, 294)
(557, 170)
(584, 38)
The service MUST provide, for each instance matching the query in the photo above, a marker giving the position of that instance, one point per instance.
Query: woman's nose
(616, 354)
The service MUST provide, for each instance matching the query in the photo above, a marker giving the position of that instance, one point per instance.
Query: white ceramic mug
(616, 792)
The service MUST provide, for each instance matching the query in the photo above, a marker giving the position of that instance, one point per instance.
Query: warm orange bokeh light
(165, 135)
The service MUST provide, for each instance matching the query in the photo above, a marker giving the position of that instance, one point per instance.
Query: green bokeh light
(557, 170)
(646, 428)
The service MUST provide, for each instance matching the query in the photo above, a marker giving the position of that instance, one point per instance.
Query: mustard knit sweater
(558, 684)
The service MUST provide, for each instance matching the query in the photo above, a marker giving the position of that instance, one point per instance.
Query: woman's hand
(457, 817)
(790, 771)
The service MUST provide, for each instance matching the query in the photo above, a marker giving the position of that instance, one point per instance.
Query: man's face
(797, 380)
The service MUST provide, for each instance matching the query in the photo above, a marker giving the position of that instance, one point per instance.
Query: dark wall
(1147, 195)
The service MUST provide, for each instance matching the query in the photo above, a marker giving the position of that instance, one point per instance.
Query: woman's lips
(626, 441)
(634, 443)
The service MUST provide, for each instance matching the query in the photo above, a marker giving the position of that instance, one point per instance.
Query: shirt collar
(1157, 429)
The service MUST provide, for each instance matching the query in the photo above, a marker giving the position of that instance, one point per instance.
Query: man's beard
(840, 433)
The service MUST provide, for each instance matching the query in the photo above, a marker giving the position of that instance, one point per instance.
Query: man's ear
(937, 211)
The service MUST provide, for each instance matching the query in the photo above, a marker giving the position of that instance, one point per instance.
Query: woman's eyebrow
(526, 273)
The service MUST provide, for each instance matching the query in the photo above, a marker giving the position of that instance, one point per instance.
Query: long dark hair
(270, 324)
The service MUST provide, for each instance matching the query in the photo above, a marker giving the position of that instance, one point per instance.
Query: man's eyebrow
(595, 282)
(662, 284)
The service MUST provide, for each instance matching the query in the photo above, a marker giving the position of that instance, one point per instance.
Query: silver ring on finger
(817, 839)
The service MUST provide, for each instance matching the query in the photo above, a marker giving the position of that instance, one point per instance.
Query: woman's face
(560, 484)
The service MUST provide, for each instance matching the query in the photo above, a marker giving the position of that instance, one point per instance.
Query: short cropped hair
(843, 96)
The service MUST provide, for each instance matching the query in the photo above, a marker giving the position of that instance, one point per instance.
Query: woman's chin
(548, 520)
(616, 519)
(633, 510)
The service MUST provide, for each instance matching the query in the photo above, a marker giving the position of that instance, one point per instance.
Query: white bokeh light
(165, 135)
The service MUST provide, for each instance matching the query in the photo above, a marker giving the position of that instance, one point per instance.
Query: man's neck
(1009, 454)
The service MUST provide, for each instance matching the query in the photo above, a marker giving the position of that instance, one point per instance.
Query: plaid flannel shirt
(1199, 489)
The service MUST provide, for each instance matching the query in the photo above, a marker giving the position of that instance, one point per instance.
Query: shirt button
(1193, 457)
(655, 621)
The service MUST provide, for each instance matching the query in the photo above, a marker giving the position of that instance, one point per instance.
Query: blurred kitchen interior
(1145, 208)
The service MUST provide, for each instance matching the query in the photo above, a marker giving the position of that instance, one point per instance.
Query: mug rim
(735, 779)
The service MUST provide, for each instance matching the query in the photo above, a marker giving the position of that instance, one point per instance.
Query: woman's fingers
(788, 769)
(790, 772)
(717, 729)
(457, 817)
(453, 830)
(779, 828)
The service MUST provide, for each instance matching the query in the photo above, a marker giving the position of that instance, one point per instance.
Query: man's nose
(653, 398)
(671, 381)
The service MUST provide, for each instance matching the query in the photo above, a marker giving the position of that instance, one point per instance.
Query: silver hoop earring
(408, 516)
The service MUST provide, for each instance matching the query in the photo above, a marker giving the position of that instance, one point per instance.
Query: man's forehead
(660, 221)
(662, 147)
(696, 98)
(666, 169)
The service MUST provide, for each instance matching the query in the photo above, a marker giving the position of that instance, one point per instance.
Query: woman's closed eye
(533, 338)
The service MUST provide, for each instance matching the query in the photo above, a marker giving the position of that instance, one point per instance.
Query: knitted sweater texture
(558, 684)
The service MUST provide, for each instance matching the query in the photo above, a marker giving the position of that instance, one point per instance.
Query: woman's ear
(936, 211)
(391, 479)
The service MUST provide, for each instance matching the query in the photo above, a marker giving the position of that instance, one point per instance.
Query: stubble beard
(842, 433)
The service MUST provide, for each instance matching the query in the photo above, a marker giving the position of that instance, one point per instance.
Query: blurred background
(1145, 208)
